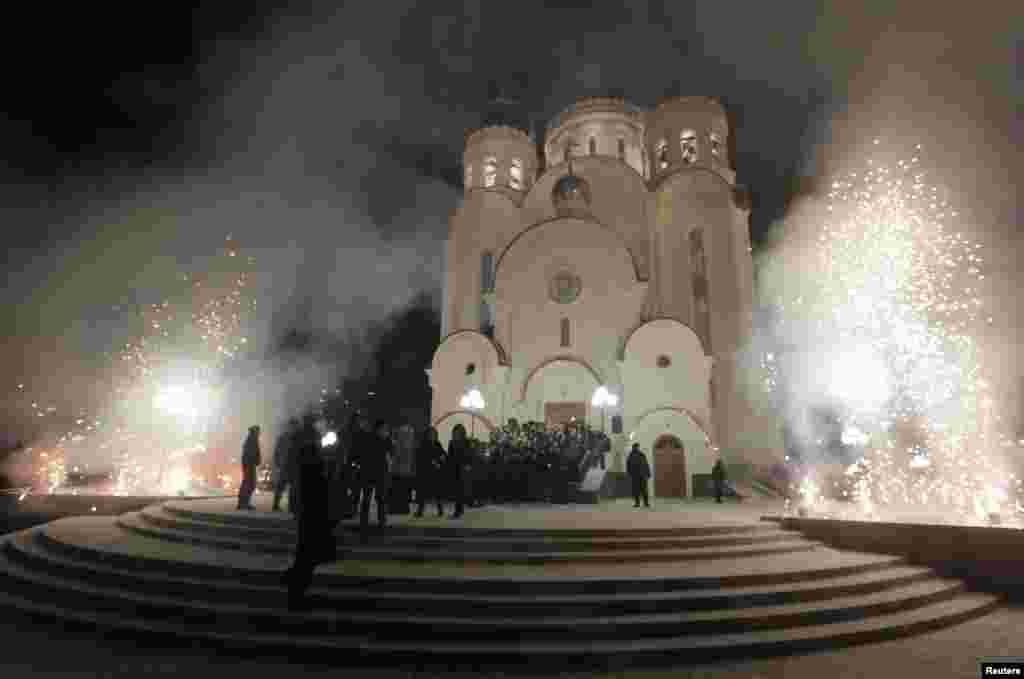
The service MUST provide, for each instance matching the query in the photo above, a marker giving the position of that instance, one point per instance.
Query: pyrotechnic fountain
(882, 315)
(151, 436)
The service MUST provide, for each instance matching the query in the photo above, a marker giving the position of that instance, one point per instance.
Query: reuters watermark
(1010, 667)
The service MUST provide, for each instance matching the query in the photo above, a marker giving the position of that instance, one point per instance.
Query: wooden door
(561, 412)
(669, 467)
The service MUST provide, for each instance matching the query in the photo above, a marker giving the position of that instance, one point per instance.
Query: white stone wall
(630, 248)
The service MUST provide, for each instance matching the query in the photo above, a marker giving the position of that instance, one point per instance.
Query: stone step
(488, 541)
(413, 624)
(284, 521)
(101, 540)
(31, 552)
(142, 523)
(342, 647)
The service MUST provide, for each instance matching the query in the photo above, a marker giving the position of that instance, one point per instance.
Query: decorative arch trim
(583, 218)
(564, 357)
(629, 336)
(663, 177)
(451, 413)
(498, 349)
(694, 417)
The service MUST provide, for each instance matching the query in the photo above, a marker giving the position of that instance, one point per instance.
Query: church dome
(571, 192)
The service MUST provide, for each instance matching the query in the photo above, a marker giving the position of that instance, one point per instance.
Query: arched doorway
(669, 467)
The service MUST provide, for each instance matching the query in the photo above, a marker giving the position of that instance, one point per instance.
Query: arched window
(469, 176)
(490, 171)
(515, 174)
(622, 149)
(487, 271)
(565, 332)
(688, 145)
(593, 146)
(661, 154)
(716, 145)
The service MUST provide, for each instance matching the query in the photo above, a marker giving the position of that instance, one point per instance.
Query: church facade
(617, 255)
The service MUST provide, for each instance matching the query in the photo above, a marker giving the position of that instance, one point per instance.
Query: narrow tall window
(716, 145)
(622, 149)
(701, 310)
(490, 171)
(487, 271)
(661, 154)
(593, 146)
(515, 174)
(469, 176)
(565, 332)
(688, 145)
(486, 318)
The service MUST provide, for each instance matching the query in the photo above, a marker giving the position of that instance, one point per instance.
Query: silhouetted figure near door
(718, 477)
(639, 471)
(315, 537)
(250, 461)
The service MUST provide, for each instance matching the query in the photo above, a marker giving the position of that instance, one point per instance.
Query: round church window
(565, 287)
(664, 361)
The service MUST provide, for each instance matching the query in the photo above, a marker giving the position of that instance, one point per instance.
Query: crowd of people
(372, 469)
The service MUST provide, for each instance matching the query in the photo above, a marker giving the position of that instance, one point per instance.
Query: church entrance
(563, 412)
(669, 467)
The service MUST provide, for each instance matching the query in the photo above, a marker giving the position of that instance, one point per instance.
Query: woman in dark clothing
(375, 474)
(429, 462)
(718, 476)
(458, 465)
(315, 538)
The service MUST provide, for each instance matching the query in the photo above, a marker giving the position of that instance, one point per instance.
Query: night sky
(327, 142)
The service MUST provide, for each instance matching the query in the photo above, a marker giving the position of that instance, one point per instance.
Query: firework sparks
(891, 295)
(166, 390)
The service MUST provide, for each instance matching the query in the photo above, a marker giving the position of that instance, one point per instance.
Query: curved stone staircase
(448, 593)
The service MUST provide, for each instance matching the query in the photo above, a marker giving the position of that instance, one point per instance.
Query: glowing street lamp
(603, 399)
(473, 401)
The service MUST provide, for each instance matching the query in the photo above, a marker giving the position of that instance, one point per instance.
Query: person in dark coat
(315, 543)
(250, 461)
(430, 457)
(718, 476)
(360, 441)
(458, 467)
(639, 471)
(284, 463)
(375, 475)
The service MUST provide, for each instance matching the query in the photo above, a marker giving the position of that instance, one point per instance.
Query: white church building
(617, 256)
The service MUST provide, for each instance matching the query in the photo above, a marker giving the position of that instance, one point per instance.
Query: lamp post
(473, 401)
(602, 399)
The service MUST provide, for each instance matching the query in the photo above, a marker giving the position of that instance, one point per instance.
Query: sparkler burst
(151, 434)
(885, 308)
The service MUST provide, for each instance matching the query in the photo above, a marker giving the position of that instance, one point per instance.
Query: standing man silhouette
(250, 460)
(639, 471)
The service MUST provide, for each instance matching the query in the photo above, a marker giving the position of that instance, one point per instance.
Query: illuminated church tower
(617, 257)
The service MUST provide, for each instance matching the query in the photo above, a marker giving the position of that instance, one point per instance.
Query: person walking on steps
(429, 462)
(376, 476)
(283, 464)
(639, 471)
(315, 544)
(458, 465)
(250, 461)
(718, 477)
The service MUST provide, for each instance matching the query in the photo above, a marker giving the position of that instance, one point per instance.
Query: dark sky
(328, 141)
